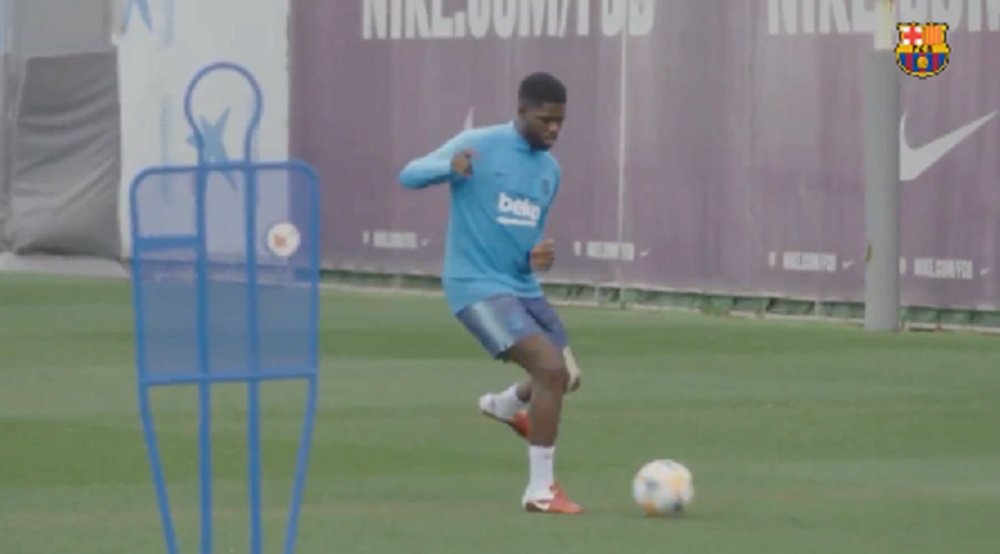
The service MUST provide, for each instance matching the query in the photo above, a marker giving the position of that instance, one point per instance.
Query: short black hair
(541, 88)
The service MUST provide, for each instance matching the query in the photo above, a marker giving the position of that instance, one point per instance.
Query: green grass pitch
(803, 437)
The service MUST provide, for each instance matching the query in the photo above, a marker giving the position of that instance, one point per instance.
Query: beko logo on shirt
(525, 213)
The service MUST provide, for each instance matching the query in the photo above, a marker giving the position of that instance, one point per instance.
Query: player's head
(541, 109)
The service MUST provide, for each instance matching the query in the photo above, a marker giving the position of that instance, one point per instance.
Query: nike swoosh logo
(914, 161)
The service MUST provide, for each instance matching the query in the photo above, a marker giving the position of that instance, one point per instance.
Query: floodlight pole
(881, 146)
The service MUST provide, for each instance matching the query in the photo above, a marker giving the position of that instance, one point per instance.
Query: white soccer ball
(663, 487)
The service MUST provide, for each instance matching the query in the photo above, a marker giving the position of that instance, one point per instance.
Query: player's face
(541, 124)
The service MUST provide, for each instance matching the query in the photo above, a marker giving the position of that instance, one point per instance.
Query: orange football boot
(556, 502)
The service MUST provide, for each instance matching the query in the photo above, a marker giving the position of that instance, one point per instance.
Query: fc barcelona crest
(922, 50)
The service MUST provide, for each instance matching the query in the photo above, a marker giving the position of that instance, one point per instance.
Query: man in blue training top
(503, 180)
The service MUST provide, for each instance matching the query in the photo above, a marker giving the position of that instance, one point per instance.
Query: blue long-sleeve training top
(497, 214)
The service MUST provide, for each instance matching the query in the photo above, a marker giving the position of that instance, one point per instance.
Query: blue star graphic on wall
(143, 7)
(214, 147)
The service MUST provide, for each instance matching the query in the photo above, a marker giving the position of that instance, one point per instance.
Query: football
(663, 488)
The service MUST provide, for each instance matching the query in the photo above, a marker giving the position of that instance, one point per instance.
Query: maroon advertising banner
(710, 146)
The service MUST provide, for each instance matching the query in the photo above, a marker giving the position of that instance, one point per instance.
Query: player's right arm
(453, 160)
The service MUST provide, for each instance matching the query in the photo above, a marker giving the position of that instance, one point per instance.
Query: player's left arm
(557, 177)
(543, 255)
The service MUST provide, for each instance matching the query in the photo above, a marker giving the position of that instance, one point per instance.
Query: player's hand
(461, 163)
(543, 255)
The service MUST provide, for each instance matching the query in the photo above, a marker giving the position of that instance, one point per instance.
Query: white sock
(507, 402)
(542, 476)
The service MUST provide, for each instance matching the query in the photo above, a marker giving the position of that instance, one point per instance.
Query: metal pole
(881, 144)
